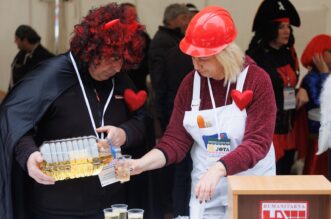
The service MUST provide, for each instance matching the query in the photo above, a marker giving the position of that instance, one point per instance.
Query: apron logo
(242, 99)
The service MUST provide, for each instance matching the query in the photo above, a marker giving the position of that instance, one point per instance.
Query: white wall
(315, 17)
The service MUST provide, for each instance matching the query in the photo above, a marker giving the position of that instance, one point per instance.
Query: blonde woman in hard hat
(224, 113)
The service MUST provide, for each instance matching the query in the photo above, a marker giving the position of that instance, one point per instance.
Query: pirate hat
(273, 10)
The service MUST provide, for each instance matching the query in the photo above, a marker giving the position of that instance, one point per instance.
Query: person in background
(31, 53)
(317, 59)
(175, 20)
(272, 48)
(177, 66)
(138, 75)
(324, 138)
(143, 197)
(224, 114)
(79, 93)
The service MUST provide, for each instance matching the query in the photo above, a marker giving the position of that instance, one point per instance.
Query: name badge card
(218, 148)
(289, 98)
(107, 176)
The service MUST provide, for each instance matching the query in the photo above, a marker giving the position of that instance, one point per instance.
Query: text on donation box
(283, 210)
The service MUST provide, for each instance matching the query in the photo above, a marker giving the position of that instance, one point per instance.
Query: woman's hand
(301, 98)
(206, 186)
(320, 63)
(115, 134)
(154, 159)
(33, 169)
(136, 166)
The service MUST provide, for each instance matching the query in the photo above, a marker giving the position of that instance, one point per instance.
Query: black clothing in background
(141, 188)
(23, 109)
(24, 62)
(178, 65)
(53, 108)
(270, 60)
(163, 40)
(138, 76)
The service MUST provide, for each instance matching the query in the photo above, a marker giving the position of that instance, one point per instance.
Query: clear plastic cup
(123, 168)
(135, 213)
(122, 209)
(109, 213)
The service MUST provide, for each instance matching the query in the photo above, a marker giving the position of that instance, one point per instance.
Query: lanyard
(214, 105)
(87, 102)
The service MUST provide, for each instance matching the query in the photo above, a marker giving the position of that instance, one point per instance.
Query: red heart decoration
(134, 100)
(242, 99)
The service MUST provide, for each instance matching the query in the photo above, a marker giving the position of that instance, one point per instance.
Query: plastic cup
(103, 147)
(123, 168)
(122, 209)
(109, 213)
(135, 213)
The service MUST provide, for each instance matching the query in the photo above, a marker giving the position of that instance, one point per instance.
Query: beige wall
(315, 16)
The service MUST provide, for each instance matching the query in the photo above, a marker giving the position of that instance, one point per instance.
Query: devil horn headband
(110, 24)
(131, 27)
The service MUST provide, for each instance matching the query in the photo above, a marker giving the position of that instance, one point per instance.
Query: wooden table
(247, 192)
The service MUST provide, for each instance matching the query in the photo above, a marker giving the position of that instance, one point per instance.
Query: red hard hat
(209, 32)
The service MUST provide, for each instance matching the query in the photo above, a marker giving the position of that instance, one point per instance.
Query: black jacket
(49, 103)
(271, 60)
(178, 65)
(20, 69)
(163, 40)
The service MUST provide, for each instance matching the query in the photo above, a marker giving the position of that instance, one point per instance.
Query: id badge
(107, 175)
(289, 98)
(218, 148)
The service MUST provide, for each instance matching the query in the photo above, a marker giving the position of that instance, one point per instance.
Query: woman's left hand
(115, 134)
(206, 186)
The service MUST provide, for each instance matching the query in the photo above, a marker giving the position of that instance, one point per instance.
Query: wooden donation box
(279, 197)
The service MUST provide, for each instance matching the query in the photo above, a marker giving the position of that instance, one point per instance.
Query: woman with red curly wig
(79, 93)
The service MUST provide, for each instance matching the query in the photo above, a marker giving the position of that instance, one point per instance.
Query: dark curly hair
(92, 41)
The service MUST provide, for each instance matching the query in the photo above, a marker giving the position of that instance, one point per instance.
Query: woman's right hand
(34, 171)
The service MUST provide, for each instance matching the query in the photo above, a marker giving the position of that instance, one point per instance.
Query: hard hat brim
(196, 51)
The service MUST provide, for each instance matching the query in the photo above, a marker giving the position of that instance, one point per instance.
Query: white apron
(227, 119)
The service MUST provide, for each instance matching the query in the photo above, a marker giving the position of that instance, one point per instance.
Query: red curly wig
(98, 37)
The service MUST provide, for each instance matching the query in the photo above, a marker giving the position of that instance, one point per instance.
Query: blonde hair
(232, 60)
